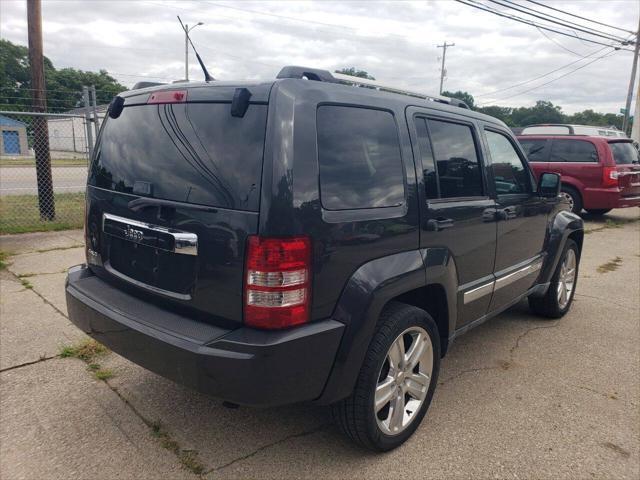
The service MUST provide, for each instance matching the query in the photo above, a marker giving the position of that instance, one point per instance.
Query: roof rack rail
(326, 76)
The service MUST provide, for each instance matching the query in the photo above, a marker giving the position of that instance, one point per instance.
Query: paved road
(22, 180)
(519, 397)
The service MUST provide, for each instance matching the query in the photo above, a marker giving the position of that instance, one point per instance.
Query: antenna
(207, 76)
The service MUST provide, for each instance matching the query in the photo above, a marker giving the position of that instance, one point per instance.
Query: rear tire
(358, 416)
(557, 301)
(572, 196)
(598, 211)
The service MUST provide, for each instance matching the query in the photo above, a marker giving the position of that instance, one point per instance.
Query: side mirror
(549, 185)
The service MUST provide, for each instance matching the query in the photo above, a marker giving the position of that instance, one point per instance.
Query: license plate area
(153, 267)
(159, 259)
(155, 236)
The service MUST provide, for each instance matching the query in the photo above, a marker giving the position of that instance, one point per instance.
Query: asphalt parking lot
(22, 180)
(519, 397)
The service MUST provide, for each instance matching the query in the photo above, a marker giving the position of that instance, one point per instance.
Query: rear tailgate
(626, 158)
(173, 194)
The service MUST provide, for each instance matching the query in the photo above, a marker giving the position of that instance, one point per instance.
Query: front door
(458, 213)
(521, 216)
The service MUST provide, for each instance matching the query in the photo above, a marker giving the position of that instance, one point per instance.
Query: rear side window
(428, 166)
(457, 162)
(186, 152)
(509, 173)
(573, 151)
(359, 158)
(534, 150)
(624, 153)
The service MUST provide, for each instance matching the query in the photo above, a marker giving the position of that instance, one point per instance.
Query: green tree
(64, 86)
(466, 97)
(542, 112)
(590, 117)
(501, 113)
(354, 72)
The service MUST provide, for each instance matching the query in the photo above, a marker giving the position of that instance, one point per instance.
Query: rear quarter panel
(343, 240)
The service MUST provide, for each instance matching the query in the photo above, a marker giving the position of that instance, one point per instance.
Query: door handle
(438, 224)
(507, 214)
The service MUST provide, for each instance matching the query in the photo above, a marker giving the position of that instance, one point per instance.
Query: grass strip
(21, 214)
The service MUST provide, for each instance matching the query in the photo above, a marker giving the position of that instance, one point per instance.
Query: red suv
(598, 173)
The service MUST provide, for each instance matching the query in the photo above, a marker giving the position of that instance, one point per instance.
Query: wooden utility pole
(40, 128)
(632, 80)
(444, 56)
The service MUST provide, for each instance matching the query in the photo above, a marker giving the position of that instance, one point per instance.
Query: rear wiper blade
(144, 202)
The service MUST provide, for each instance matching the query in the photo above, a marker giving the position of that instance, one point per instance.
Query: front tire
(559, 296)
(396, 382)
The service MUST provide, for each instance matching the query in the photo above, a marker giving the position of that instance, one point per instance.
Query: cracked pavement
(518, 396)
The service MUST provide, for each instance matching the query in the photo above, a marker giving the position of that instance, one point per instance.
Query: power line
(551, 39)
(6, 106)
(554, 80)
(352, 31)
(43, 89)
(568, 49)
(549, 18)
(285, 17)
(578, 16)
(57, 100)
(485, 8)
(539, 76)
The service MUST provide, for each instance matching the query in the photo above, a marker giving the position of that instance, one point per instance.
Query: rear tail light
(609, 177)
(277, 282)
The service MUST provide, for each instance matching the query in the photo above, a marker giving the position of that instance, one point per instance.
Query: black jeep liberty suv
(313, 238)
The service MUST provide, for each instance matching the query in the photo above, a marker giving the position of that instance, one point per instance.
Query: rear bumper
(597, 198)
(244, 366)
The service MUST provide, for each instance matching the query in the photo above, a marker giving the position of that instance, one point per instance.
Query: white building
(68, 134)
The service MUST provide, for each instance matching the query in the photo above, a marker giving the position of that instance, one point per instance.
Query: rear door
(626, 159)
(578, 162)
(173, 194)
(459, 214)
(521, 215)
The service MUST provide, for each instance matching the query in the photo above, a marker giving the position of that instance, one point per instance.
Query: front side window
(509, 173)
(573, 151)
(359, 158)
(534, 149)
(457, 162)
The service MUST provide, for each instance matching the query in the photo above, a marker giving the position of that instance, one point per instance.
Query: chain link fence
(43, 170)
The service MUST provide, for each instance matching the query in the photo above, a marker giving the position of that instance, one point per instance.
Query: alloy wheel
(403, 380)
(569, 199)
(566, 279)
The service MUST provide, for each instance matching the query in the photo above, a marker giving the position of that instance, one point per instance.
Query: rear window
(187, 152)
(573, 151)
(624, 153)
(534, 149)
(359, 158)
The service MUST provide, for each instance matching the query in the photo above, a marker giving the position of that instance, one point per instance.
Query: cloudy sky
(395, 41)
